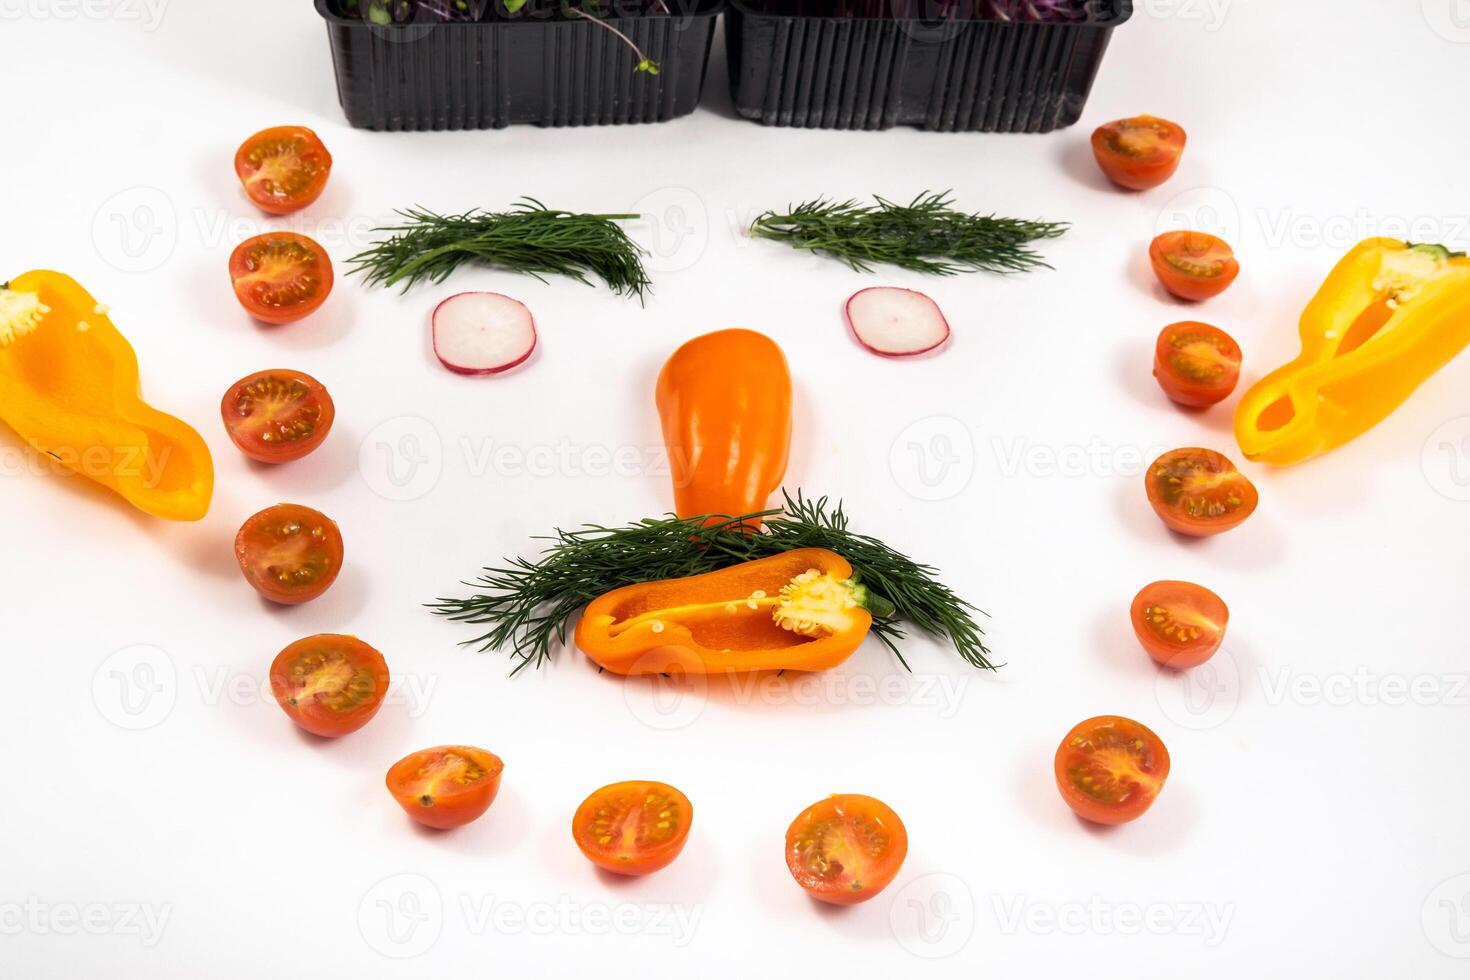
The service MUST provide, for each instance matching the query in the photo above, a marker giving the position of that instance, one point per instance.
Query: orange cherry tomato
(1196, 364)
(280, 277)
(1199, 492)
(1140, 152)
(289, 553)
(1111, 769)
(329, 684)
(1180, 624)
(277, 416)
(283, 169)
(1193, 265)
(633, 828)
(447, 786)
(846, 849)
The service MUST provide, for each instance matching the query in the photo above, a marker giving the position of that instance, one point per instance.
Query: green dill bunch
(927, 235)
(530, 238)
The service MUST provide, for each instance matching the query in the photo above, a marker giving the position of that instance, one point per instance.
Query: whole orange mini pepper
(799, 610)
(1388, 316)
(69, 387)
(725, 403)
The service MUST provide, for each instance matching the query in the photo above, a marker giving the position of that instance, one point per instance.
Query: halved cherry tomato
(1140, 152)
(1111, 769)
(1193, 265)
(283, 169)
(289, 553)
(1199, 492)
(447, 786)
(1196, 364)
(846, 849)
(280, 277)
(329, 684)
(633, 828)
(1180, 624)
(277, 416)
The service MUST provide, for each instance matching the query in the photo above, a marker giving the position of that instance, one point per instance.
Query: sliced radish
(482, 333)
(896, 322)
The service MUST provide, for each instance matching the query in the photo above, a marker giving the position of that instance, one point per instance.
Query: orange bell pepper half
(69, 387)
(725, 403)
(1389, 315)
(799, 610)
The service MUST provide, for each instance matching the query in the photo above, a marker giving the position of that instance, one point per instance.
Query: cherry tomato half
(1180, 624)
(1111, 769)
(447, 786)
(1199, 492)
(1193, 265)
(283, 169)
(280, 277)
(846, 849)
(1140, 152)
(277, 416)
(329, 684)
(633, 828)
(1196, 364)
(289, 553)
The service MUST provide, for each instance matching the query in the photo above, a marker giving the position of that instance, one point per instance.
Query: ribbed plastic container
(550, 72)
(956, 75)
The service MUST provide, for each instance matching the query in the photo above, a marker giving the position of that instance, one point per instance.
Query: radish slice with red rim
(896, 322)
(482, 333)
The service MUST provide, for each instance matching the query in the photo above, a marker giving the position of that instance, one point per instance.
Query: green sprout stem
(645, 63)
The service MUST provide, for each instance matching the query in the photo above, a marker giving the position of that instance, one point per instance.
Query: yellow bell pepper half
(69, 387)
(1389, 315)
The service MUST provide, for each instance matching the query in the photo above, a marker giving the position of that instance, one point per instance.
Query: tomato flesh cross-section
(1199, 492)
(329, 684)
(1193, 265)
(1180, 624)
(1196, 364)
(277, 416)
(1140, 152)
(289, 553)
(280, 277)
(446, 786)
(846, 849)
(283, 169)
(633, 827)
(1110, 769)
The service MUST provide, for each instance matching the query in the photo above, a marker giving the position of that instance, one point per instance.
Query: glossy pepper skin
(725, 403)
(720, 622)
(1389, 315)
(69, 387)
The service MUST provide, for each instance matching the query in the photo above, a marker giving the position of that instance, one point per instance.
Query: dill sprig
(530, 238)
(927, 235)
(527, 604)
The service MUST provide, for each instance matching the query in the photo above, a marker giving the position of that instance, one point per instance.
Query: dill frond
(927, 235)
(530, 238)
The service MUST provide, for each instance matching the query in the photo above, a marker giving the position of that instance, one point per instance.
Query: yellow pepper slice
(1388, 316)
(69, 387)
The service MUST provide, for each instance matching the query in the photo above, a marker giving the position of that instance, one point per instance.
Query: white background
(1315, 820)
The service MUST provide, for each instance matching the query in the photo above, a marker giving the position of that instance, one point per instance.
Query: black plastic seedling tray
(940, 73)
(546, 70)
